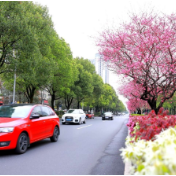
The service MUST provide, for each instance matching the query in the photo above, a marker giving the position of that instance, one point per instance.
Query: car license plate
(68, 119)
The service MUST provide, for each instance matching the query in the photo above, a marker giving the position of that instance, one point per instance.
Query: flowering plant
(147, 127)
(153, 157)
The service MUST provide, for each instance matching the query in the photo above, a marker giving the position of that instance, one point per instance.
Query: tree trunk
(78, 104)
(152, 104)
(30, 90)
(31, 99)
(138, 111)
(32, 95)
(68, 102)
(52, 100)
(19, 97)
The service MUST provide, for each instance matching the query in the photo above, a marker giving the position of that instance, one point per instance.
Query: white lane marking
(84, 127)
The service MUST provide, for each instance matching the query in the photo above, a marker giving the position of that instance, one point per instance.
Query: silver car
(107, 115)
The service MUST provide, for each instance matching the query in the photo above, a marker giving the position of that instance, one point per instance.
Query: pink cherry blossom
(143, 50)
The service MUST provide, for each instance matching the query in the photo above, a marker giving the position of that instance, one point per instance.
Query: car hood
(7, 122)
(70, 114)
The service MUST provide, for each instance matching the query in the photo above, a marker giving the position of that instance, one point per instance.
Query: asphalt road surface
(87, 149)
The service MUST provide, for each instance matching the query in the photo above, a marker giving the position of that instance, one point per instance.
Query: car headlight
(6, 130)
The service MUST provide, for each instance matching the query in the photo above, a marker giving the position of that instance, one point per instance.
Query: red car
(23, 124)
(89, 115)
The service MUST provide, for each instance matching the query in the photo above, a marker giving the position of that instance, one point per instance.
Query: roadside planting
(151, 144)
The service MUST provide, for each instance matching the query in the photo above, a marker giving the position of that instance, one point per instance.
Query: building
(101, 67)
(106, 74)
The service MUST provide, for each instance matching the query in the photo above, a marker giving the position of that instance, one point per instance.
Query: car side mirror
(35, 116)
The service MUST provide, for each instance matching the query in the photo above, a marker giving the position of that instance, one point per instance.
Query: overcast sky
(80, 21)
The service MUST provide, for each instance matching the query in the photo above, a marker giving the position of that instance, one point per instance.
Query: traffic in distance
(23, 124)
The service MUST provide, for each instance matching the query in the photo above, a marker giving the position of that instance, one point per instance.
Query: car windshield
(89, 113)
(73, 111)
(14, 111)
(108, 113)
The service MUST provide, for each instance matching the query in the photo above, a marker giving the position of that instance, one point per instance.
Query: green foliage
(136, 114)
(60, 113)
(43, 60)
(97, 114)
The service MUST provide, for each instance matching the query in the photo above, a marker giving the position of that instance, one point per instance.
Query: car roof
(75, 109)
(14, 105)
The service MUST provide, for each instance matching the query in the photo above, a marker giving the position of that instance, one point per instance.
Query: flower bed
(151, 144)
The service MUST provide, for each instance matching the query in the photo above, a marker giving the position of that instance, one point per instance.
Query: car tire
(22, 143)
(63, 123)
(84, 121)
(103, 118)
(55, 136)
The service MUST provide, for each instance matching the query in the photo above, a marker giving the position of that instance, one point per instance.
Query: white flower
(153, 157)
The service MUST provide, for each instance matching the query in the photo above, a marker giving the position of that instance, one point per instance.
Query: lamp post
(14, 84)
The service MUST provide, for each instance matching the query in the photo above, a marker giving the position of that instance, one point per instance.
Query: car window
(37, 110)
(81, 111)
(108, 113)
(45, 111)
(14, 111)
(50, 111)
(73, 111)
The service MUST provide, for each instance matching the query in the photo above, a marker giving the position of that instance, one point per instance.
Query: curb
(127, 166)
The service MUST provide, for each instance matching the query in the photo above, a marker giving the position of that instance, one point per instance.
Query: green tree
(16, 33)
(32, 62)
(64, 72)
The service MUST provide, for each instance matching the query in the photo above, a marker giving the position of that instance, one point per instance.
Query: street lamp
(14, 84)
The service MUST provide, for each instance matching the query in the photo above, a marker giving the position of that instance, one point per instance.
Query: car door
(47, 116)
(37, 126)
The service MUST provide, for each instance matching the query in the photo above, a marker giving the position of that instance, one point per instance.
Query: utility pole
(14, 85)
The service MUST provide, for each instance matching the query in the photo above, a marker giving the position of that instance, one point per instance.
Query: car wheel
(63, 123)
(55, 136)
(84, 121)
(103, 118)
(22, 143)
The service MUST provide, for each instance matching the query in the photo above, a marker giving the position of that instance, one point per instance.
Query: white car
(107, 115)
(74, 116)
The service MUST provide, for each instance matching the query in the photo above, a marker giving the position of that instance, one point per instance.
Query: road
(87, 149)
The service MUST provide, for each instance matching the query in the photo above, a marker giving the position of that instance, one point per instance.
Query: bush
(151, 145)
(98, 114)
(136, 114)
(60, 113)
(153, 157)
(147, 127)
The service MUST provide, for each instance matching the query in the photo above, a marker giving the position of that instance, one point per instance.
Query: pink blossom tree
(136, 105)
(132, 92)
(144, 50)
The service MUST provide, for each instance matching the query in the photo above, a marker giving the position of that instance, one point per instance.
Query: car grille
(69, 118)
